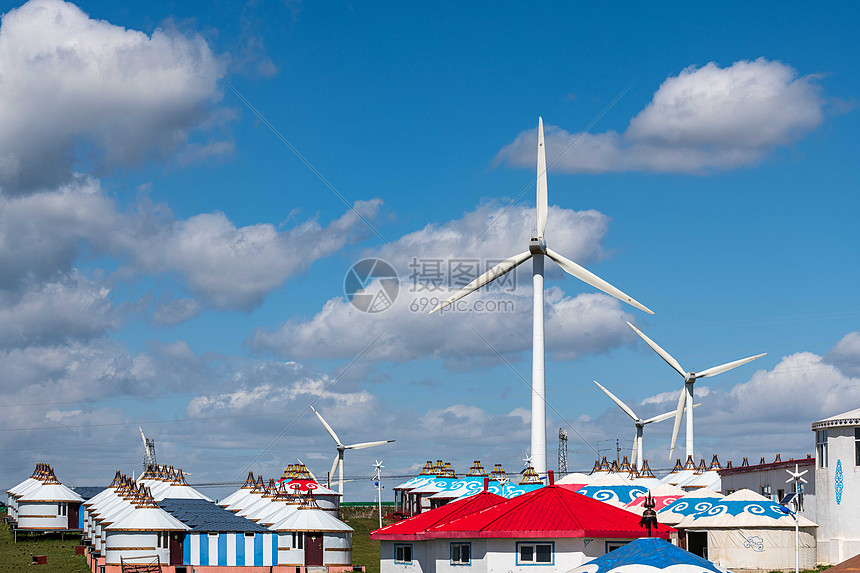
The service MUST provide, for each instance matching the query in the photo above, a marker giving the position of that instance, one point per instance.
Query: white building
(837, 486)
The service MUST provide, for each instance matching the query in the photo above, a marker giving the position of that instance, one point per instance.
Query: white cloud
(846, 354)
(73, 85)
(703, 119)
(236, 267)
(72, 307)
(587, 323)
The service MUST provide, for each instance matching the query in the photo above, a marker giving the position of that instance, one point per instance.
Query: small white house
(837, 486)
(50, 506)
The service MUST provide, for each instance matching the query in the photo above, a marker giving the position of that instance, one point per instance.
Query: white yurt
(282, 505)
(49, 507)
(252, 496)
(142, 534)
(239, 493)
(32, 482)
(311, 537)
(178, 488)
(680, 473)
(746, 530)
(113, 510)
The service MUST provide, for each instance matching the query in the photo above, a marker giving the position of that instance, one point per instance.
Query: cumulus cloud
(78, 89)
(705, 118)
(587, 323)
(236, 267)
(846, 354)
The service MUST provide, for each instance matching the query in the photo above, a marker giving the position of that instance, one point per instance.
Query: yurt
(649, 554)
(746, 530)
(32, 482)
(282, 505)
(680, 473)
(141, 535)
(50, 506)
(239, 493)
(612, 488)
(662, 495)
(178, 488)
(311, 537)
(251, 498)
(692, 502)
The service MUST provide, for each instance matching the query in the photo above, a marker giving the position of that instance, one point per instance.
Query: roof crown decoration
(729, 465)
(530, 476)
(645, 471)
(448, 471)
(678, 467)
(427, 470)
(745, 463)
(309, 502)
(596, 467)
(778, 458)
(702, 467)
(715, 463)
(690, 465)
(249, 482)
(498, 473)
(439, 468)
(477, 470)
(625, 465)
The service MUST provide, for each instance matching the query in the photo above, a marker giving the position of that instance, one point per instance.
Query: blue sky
(168, 260)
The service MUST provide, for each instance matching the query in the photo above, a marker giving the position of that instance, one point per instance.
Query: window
(535, 553)
(62, 509)
(402, 553)
(298, 540)
(766, 491)
(780, 494)
(857, 446)
(461, 554)
(163, 538)
(613, 545)
(821, 447)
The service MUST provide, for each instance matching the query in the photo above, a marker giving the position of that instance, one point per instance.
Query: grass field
(62, 559)
(16, 557)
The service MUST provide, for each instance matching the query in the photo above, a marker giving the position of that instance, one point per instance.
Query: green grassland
(60, 550)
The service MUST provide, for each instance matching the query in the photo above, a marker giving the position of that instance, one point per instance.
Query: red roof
(416, 526)
(550, 511)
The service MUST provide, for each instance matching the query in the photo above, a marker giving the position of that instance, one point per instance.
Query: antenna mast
(148, 451)
(562, 452)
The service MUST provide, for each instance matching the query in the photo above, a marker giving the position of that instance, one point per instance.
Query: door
(697, 543)
(314, 549)
(74, 508)
(176, 541)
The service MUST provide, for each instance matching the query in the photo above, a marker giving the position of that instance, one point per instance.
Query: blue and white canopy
(742, 509)
(457, 488)
(694, 502)
(646, 555)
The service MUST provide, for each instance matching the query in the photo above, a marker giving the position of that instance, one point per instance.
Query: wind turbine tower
(537, 249)
(148, 451)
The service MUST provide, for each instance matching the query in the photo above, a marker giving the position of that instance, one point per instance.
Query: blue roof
(650, 552)
(690, 506)
(88, 491)
(201, 515)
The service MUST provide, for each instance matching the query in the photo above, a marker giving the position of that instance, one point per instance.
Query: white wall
(838, 517)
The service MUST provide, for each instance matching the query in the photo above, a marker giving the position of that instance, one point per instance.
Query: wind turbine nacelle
(537, 246)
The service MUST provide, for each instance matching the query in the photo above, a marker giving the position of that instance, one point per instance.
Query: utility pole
(378, 479)
(617, 451)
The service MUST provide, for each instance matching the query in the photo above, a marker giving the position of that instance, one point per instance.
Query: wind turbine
(636, 456)
(338, 459)
(536, 252)
(687, 392)
(148, 451)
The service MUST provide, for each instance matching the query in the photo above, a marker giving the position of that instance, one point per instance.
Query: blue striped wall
(231, 549)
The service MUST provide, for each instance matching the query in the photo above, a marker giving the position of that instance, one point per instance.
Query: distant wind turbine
(636, 455)
(536, 252)
(338, 459)
(687, 392)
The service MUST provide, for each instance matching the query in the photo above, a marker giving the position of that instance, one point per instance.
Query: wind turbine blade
(720, 369)
(327, 427)
(333, 467)
(665, 416)
(505, 266)
(679, 413)
(363, 445)
(663, 354)
(587, 276)
(541, 204)
(621, 404)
